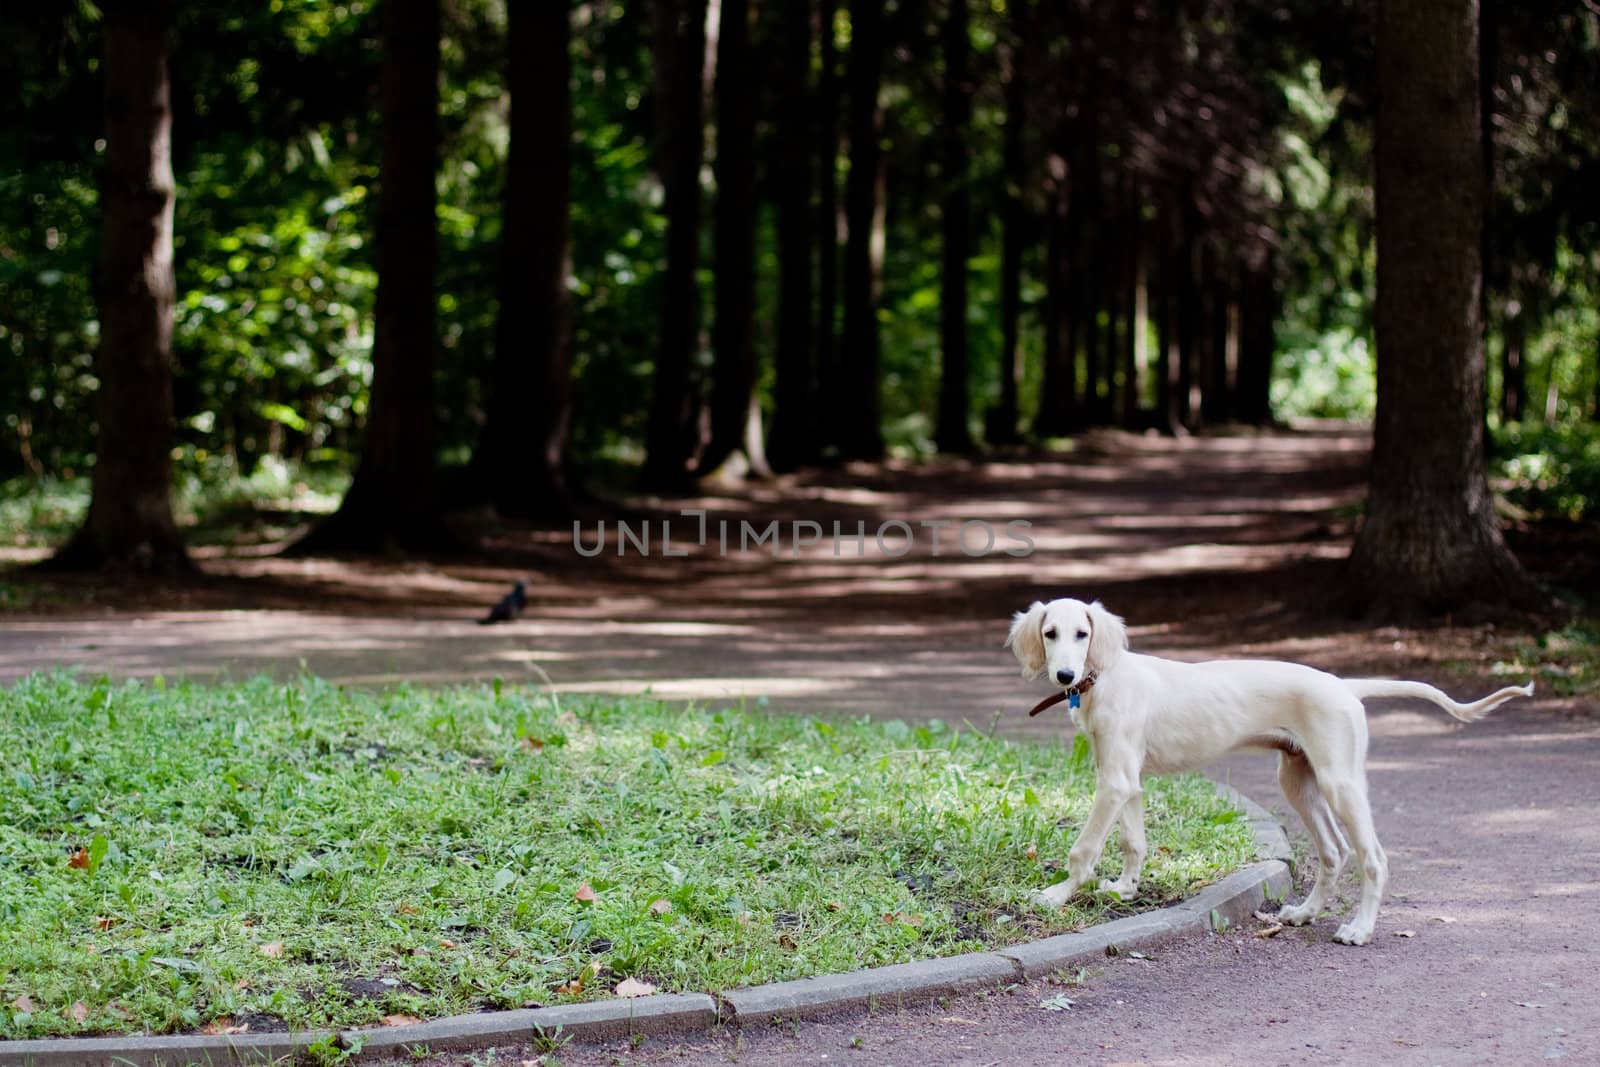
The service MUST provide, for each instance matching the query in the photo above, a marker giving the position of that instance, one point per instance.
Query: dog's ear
(1108, 638)
(1026, 639)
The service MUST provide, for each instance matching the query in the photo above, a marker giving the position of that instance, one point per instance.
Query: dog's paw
(1351, 934)
(1053, 897)
(1296, 914)
(1123, 890)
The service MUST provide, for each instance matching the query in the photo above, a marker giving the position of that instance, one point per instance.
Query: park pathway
(1484, 952)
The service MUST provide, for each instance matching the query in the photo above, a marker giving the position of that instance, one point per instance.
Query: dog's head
(1066, 640)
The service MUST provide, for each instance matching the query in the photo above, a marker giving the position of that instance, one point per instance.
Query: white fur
(1146, 715)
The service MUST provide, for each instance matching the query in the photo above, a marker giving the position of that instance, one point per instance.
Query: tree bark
(130, 525)
(952, 432)
(522, 456)
(1001, 427)
(1058, 392)
(860, 399)
(672, 435)
(1430, 543)
(1513, 375)
(1258, 316)
(1133, 312)
(794, 441)
(735, 412)
(830, 379)
(393, 502)
(1186, 294)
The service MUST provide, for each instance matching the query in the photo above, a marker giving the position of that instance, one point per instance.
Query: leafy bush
(1552, 471)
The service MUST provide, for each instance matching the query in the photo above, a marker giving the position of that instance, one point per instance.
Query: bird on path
(510, 606)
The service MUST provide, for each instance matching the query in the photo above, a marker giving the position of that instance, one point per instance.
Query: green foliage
(1566, 661)
(1552, 471)
(327, 856)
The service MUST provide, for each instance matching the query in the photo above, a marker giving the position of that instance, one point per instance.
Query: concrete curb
(1217, 907)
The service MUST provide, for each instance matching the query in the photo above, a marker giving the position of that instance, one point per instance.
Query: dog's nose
(1065, 676)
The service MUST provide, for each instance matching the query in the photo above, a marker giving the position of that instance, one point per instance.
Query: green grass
(309, 855)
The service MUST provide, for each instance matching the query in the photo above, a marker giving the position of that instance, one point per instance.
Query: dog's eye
(1050, 635)
(1082, 634)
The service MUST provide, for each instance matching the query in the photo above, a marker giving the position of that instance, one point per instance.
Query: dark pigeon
(510, 606)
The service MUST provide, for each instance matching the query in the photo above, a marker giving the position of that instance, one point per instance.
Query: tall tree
(952, 433)
(130, 523)
(794, 439)
(393, 501)
(735, 409)
(1058, 390)
(522, 454)
(860, 436)
(1001, 427)
(678, 48)
(830, 381)
(1429, 543)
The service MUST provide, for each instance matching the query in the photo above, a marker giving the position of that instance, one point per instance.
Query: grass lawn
(190, 856)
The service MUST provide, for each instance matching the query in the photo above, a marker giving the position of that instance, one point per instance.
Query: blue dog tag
(1072, 701)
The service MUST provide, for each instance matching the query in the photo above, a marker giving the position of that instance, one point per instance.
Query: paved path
(1208, 547)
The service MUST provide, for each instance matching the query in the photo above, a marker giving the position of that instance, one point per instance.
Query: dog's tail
(1367, 688)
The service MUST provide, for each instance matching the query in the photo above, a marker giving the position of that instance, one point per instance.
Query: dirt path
(1214, 546)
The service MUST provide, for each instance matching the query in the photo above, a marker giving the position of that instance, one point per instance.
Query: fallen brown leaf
(399, 1020)
(533, 744)
(833, 905)
(78, 1012)
(586, 894)
(445, 942)
(24, 1003)
(570, 989)
(222, 1024)
(273, 950)
(660, 906)
(105, 922)
(79, 860)
(632, 987)
(1033, 852)
(1271, 931)
(406, 909)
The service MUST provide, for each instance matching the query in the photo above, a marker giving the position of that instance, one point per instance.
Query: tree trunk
(392, 502)
(1058, 392)
(522, 457)
(860, 401)
(1258, 317)
(1001, 427)
(953, 433)
(1186, 294)
(1513, 375)
(678, 45)
(1217, 399)
(830, 378)
(794, 441)
(1429, 543)
(1133, 311)
(130, 524)
(735, 411)
(1169, 359)
(1088, 205)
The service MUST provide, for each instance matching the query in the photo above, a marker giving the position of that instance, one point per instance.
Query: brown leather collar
(1055, 698)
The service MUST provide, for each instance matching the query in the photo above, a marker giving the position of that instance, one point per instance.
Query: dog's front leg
(1133, 849)
(1113, 790)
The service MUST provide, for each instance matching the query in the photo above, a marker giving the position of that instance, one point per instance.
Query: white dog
(1145, 715)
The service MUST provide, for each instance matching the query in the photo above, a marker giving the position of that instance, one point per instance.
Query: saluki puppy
(1146, 715)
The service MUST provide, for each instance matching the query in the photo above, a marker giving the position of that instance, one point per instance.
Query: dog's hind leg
(1133, 850)
(1299, 783)
(1348, 799)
